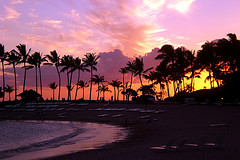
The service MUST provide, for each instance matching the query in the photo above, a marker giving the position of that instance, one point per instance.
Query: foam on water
(29, 140)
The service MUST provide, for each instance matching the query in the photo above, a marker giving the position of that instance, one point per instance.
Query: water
(29, 140)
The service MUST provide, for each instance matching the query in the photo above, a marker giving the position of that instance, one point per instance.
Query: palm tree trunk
(167, 87)
(123, 88)
(68, 85)
(40, 77)
(103, 95)
(114, 93)
(90, 94)
(140, 79)
(183, 84)
(36, 78)
(25, 74)
(83, 93)
(59, 81)
(98, 93)
(53, 94)
(15, 79)
(9, 97)
(174, 88)
(77, 85)
(3, 81)
(131, 81)
(118, 93)
(70, 96)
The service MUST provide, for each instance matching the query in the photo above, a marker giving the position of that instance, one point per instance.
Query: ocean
(28, 140)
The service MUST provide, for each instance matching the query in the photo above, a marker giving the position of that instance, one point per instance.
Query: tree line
(177, 67)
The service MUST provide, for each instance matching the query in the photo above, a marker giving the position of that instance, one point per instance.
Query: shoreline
(178, 122)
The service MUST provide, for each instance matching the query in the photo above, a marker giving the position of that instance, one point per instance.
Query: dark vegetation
(177, 67)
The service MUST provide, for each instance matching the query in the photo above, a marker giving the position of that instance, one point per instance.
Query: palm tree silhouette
(9, 90)
(91, 60)
(79, 66)
(168, 57)
(115, 83)
(193, 68)
(123, 71)
(104, 88)
(35, 60)
(53, 86)
(163, 72)
(139, 68)
(130, 67)
(67, 62)
(3, 56)
(24, 56)
(97, 79)
(54, 59)
(1, 92)
(82, 85)
(13, 59)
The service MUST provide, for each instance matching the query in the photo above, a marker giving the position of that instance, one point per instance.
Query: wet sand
(178, 122)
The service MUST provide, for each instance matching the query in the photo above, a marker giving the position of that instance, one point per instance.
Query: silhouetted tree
(82, 85)
(54, 59)
(53, 86)
(23, 53)
(13, 59)
(3, 56)
(123, 71)
(104, 88)
(91, 60)
(97, 79)
(9, 90)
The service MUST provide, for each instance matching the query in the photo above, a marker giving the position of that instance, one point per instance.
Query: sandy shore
(178, 122)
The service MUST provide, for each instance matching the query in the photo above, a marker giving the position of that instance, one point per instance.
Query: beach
(148, 126)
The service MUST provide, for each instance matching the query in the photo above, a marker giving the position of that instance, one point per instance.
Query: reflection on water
(34, 139)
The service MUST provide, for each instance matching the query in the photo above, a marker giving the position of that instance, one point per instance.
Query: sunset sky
(119, 29)
(133, 26)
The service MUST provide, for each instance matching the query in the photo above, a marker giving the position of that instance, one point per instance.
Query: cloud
(32, 14)
(10, 14)
(181, 6)
(17, 2)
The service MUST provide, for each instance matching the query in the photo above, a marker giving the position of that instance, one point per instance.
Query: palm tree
(139, 68)
(41, 59)
(104, 88)
(24, 56)
(3, 56)
(130, 67)
(9, 90)
(13, 59)
(53, 86)
(54, 59)
(79, 66)
(35, 60)
(69, 88)
(193, 68)
(67, 62)
(123, 71)
(167, 55)
(115, 83)
(163, 72)
(97, 79)
(1, 92)
(91, 60)
(147, 90)
(118, 85)
(82, 85)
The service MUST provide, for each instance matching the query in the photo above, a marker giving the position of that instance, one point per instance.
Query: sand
(178, 122)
